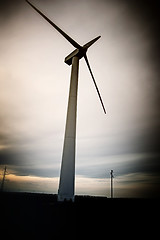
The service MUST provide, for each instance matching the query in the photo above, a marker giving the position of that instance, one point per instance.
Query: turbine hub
(80, 51)
(77, 52)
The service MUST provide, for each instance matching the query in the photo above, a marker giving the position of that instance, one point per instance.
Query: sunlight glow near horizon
(85, 186)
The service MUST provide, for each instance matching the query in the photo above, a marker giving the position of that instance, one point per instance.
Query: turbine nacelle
(80, 52)
(77, 52)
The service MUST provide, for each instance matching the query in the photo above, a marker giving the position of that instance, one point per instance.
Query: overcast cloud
(34, 83)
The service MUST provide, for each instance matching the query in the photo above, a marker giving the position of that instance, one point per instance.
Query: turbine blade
(75, 44)
(85, 56)
(87, 45)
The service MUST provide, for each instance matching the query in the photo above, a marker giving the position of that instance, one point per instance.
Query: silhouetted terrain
(40, 216)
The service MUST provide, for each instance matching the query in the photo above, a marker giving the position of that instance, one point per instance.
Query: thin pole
(4, 174)
(111, 172)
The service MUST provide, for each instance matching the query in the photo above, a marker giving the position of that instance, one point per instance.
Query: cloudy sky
(34, 88)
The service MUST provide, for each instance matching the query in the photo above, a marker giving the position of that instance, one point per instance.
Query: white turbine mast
(67, 175)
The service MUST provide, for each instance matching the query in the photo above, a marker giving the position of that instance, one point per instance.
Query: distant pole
(111, 172)
(4, 174)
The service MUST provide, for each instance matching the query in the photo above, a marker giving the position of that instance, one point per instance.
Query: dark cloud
(28, 163)
(38, 172)
(9, 9)
(146, 163)
(11, 156)
(147, 13)
(139, 170)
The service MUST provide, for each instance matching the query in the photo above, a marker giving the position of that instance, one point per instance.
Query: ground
(40, 216)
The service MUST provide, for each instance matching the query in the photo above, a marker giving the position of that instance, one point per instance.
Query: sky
(34, 88)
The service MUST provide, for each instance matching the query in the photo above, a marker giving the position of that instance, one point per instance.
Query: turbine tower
(67, 175)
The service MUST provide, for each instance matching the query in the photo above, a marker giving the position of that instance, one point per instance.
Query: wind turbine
(67, 175)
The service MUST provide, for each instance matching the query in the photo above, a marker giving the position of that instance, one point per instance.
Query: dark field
(40, 216)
